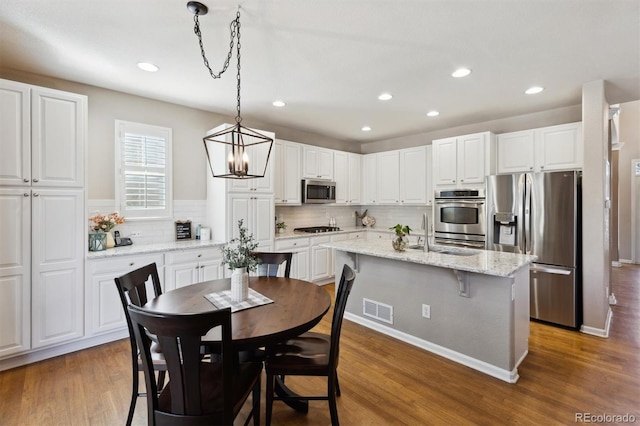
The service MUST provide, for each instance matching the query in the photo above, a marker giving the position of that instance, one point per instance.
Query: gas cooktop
(317, 229)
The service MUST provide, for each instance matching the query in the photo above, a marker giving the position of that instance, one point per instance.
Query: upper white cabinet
(538, 150)
(463, 160)
(317, 163)
(287, 173)
(42, 134)
(347, 175)
(397, 177)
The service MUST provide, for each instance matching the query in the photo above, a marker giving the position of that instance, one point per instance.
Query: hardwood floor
(383, 381)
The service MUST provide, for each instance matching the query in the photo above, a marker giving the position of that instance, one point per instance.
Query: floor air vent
(377, 310)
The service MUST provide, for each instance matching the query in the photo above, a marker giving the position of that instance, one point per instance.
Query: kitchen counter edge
(152, 248)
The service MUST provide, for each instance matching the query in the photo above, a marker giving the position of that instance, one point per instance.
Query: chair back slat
(344, 289)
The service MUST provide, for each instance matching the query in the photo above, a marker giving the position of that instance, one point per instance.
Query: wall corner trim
(599, 332)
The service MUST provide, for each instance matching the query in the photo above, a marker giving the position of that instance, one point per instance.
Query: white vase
(111, 243)
(239, 284)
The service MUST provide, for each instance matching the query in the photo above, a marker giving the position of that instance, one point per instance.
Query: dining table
(296, 307)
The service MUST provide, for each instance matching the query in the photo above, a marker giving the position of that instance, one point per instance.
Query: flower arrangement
(400, 242)
(105, 222)
(238, 253)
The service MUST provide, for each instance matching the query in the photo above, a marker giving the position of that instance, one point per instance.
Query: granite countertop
(479, 261)
(152, 248)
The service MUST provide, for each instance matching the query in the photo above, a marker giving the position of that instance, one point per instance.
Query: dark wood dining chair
(271, 262)
(198, 392)
(132, 288)
(311, 354)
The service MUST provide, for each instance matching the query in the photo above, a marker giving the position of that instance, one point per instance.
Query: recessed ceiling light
(366, 128)
(433, 113)
(385, 96)
(461, 72)
(278, 104)
(533, 90)
(147, 66)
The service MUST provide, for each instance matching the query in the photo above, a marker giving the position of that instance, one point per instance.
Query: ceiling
(330, 59)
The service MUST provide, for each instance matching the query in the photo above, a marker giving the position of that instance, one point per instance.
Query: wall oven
(318, 191)
(460, 218)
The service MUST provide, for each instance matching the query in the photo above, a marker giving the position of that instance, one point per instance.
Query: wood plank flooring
(383, 381)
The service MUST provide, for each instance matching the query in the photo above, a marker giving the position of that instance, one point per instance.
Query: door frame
(635, 198)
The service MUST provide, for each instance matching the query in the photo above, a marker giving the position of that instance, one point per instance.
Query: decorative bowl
(368, 221)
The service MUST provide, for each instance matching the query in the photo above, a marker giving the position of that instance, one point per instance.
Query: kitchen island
(470, 306)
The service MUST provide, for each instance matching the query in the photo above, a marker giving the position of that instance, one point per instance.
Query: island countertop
(486, 262)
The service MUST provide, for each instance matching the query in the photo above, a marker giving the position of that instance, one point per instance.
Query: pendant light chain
(237, 26)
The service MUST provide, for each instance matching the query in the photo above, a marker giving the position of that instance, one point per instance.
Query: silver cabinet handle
(35, 194)
(541, 167)
(25, 180)
(26, 194)
(132, 263)
(199, 255)
(35, 180)
(530, 167)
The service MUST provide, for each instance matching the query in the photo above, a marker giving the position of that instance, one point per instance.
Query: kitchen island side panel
(487, 326)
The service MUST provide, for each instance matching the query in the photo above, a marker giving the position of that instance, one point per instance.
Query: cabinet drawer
(356, 236)
(98, 266)
(192, 255)
(340, 237)
(320, 240)
(291, 243)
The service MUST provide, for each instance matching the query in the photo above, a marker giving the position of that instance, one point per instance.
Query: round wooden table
(297, 307)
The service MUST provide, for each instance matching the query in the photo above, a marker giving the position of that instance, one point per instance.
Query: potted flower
(238, 256)
(280, 227)
(399, 243)
(104, 223)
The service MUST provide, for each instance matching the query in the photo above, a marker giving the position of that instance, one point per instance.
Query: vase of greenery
(280, 227)
(238, 256)
(399, 243)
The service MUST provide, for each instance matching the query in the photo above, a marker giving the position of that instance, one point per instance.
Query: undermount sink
(443, 250)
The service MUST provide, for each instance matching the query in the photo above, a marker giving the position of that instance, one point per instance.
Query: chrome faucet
(425, 227)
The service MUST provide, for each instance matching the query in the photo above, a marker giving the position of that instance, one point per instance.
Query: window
(143, 171)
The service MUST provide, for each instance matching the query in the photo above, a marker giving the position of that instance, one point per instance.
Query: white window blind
(143, 159)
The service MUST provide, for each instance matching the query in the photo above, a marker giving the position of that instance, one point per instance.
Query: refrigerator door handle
(550, 270)
(527, 214)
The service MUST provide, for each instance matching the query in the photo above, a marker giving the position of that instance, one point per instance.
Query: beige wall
(629, 133)
(570, 114)
(189, 126)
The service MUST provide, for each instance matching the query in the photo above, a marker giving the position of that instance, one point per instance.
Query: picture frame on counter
(183, 230)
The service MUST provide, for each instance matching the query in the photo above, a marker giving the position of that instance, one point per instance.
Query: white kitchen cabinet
(299, 247)
(347, 175)
(369, 178)
(193, 266)
(413, 175)
(379, 235)
(538, 150)
(43, 136)
(388, 177)
(15, 270)
(58, 244)
(462, 161)
(321, 259)
(42, 179)
(104, 311)
(287, 175)
(317, 163)
(429, 174)
(258, 215)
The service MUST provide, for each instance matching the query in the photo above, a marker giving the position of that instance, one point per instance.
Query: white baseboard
(476, 364)
(626, 261)
(599, 332)
(616, 263)
(45, 353)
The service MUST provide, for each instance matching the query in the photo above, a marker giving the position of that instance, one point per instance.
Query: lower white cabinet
(104, 311)
(379, 235)
(188, 267)
(321, 259)
(299, 247)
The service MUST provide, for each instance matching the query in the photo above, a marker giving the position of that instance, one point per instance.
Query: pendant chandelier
(235, 152)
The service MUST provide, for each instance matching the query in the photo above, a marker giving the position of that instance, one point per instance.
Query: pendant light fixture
(235, 152)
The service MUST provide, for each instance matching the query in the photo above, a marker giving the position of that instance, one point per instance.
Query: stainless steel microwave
(318, 191)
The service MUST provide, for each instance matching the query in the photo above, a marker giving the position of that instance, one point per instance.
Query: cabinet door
(291, 166)
(320, 263)
(445, 155)
(58, 248)
(413, 175)
(370, 180)
(471, 159)
(278, 172)
(57, 138)
(388, 182)
(211, 270)
(515, 152)
(310, 162)
(559, 147)
(300, 264)
(325, 164)
(261, 154)
(182, 274)
(354, 177)
(15, 273)
(429, 174)
(263, 214)
(341, 177)
(15, 134)
(239, 209)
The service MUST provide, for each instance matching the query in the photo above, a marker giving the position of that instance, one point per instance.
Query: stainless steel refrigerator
(540, 214)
